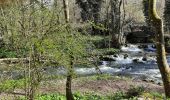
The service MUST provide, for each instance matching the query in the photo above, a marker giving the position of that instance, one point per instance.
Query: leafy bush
(118, 96)
(154, 95)
(5, 53)
(51, 97)
(10, 85)
(88, 96)
(77, 96)
(135, 91)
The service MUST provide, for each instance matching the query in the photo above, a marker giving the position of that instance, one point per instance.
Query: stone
(106, 58)
(115, 56)
(125, 56)
(135, 60)
(144, 59)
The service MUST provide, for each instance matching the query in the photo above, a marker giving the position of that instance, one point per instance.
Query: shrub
(135, 91)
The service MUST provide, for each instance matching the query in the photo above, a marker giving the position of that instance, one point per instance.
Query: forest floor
(98, 85)
(102, 86)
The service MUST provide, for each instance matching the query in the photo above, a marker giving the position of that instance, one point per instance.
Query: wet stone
(125, 56)
(106, 59)
(144, 59)
(135, 60)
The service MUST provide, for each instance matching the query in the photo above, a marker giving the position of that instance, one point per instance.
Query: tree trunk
(117, 36)
(66, 10)
(145, 11)
(161, 56)
(96, 8)
(90, 11)
(166, 15)
(69, 94)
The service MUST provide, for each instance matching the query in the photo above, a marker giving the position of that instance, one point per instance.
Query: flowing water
(138, 63)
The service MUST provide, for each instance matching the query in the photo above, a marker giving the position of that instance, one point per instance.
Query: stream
(133, 60)
(136, 61)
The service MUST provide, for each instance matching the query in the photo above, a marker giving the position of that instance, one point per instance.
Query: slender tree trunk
(68, 88)
(69, 94)
(66, 10)
(161, 56)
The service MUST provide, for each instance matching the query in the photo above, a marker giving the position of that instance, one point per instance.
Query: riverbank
(99, 85)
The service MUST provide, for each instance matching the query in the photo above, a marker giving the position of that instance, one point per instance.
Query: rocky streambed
(133, 60)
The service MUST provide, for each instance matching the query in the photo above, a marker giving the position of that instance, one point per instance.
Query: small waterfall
(131, 48)
(122, 59)
(104, 63)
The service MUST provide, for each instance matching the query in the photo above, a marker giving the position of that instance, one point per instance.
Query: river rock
(115, 56)
(106, 58)
(135, 60)
(144, 59)
(125, 56)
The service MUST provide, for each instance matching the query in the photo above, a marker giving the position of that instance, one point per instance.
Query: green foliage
(51, 97)
(154, 95)
(98, 26)
(135, 91)
(88, 96)
(118, 96)
(47, 97)
(131, 94)
(85, 96)
(5, 53)
(106, 51)
(77, 96)
(10, 85)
